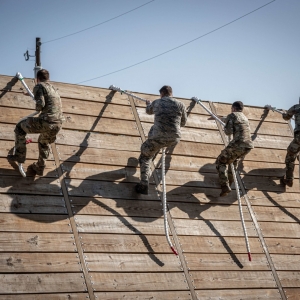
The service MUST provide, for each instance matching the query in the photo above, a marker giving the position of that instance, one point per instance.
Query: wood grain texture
(232, 279)
(39, 262)
(286, 262)
(36, 242)
(283, 245)
(139, 281)
(164, 295)
(67, 296)
(41, 283)
(277, 214)
(292, 293)
(280, 230)
(290, 279)
(108, 262)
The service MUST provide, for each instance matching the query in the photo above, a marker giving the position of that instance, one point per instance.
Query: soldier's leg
(291, 155)
(20, 144)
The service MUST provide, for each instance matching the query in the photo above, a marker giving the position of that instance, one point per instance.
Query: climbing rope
(273, 108)
(164, 200)
(235, 182)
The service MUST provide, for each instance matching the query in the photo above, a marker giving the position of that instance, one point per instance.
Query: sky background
(254, 60)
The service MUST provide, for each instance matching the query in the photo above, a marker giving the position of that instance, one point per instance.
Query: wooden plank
(268, 128)
(165, 295)
(222, 262)
(108, 262)
(271, 184)
(112, 207)
(206, 211)
(29, 185)
(232, 279)
(119, 225)
(11, 169)
(194, 135)
(36, 242)
(17, 100)
(245, 294)
(289, 279)
(286, 262)
(198, 195)
(272, 142)
(13, 115)
(252, 113)
(277, 214)
(101, 172)
(100, 124)
(273, 155)
(32, 204)
(99, 156)
(282, 230)
(34, 223)
(213, 244)
(284, 245)
(68, 296)
(111, 243)
(267, 198)
(93, 188)
(98, 140)
(291, 293)
(139, 282)
(39, 262)
(194, 120)
(212, 228)
(41, 283)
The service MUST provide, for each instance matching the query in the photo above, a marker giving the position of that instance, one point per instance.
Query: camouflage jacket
(294, 110)
(170, 115)
(48, 102)
(237, 124)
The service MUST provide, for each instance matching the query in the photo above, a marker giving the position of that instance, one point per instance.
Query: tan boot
(225, 190)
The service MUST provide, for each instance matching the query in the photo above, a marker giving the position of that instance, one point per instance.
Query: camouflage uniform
(48, 123)
(170, 115)
(294, 147)
(237, 124)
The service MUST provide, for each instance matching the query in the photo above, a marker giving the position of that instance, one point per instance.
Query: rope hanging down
(20, 77)
(164, 200)
(235, 182)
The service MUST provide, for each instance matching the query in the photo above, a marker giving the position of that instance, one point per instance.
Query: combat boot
(13, 157)
(37, 169)
(288, 182)
(225, 190)
(142, 188)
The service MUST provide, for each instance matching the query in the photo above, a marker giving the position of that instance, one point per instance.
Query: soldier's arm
(228, 128)
(183, 116)
(149, 108)
(289, 114)
(39, 97)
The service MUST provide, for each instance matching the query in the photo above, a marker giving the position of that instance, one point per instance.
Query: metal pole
(235, 181)
(38, 64)
(117, 89)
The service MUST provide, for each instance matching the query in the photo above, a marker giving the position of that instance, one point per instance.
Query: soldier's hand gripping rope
(142, 188)
(197, 100)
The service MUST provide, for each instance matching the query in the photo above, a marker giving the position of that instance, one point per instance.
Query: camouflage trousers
(228, 156)
(291, 155)
(149, 149)
(48, 132)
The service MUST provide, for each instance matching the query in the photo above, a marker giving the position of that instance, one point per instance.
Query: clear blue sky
(255, 60)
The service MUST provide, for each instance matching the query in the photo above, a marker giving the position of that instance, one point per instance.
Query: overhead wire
(184, 44)
(118, 16)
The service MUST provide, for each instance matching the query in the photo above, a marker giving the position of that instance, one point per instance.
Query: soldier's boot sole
(225, 191)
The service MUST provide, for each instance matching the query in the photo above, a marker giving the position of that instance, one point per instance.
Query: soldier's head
(42, 75)
(166, 91)
(237, 106)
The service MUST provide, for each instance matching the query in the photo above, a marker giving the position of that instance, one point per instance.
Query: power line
(127, 12)
(163, 53)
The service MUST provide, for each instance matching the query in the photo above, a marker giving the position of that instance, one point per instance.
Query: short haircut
(166, 90)
(42, 75)
(238, 105)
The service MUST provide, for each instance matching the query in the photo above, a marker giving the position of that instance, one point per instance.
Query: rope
(273, 108)
(165, 202)
(235, 182)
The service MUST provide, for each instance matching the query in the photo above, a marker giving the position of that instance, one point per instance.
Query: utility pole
(38, 64)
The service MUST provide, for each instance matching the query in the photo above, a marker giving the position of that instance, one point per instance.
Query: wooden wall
(82, 232)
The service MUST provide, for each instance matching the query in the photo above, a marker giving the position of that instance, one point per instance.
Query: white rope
(165, 202)
(273, 108)
(115, 88)
(235, 182)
